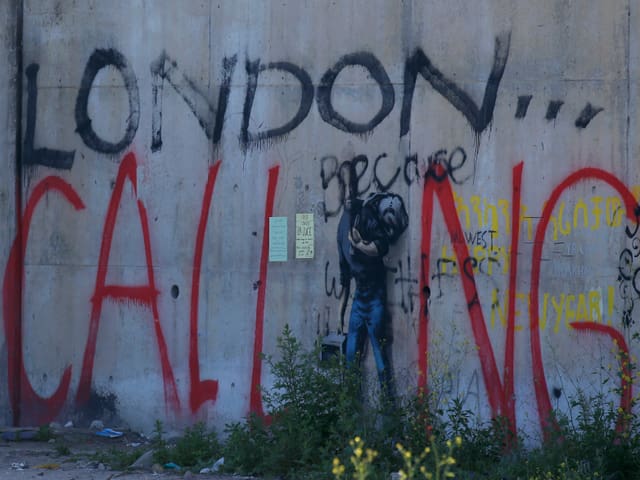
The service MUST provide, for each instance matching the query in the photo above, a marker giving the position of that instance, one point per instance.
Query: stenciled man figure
(366, 230)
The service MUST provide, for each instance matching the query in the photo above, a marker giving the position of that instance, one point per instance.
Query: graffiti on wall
(211, 115)
(500, 391)
(30, 407)
(366, 231)
(475, 225)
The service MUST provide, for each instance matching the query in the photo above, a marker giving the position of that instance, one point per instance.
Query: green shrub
(196, 448)
(313, 411)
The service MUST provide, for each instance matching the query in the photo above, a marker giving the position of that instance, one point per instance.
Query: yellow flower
(358, 452)
(371, 454)
(338, 468)
(458, 441)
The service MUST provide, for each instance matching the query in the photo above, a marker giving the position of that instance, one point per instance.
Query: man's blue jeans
(368, 315)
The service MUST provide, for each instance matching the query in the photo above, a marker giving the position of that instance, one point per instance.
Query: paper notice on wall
(277, 239)
(304, 235)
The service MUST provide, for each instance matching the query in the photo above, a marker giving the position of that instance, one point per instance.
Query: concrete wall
(9, 55)
(155, 134)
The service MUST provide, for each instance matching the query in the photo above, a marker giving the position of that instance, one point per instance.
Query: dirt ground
(76, 454)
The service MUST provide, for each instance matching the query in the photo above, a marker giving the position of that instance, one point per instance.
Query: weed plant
(44, 433)
(197, 448)
(317, 420)
(117, 458)
(314, 412)
(311, 411)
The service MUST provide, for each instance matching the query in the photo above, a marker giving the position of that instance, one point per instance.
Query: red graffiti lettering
(201, 390)
(437, 183)
(626, 383)
(539, 380)
(509, 367)
(142, 294)
(255, 402)
(28, 407)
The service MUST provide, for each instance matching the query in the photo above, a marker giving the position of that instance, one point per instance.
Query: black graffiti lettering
(363, 162)
(210, 119)
(523, 105)
(329, 171)
(331, 291)
(491, 234)
(477, 238)
(635, 245)
(553, 109)
(625, 264)
(496, 303)
(409, 281)
(469, 264)
(627, 317)
(348, 174)
(413, 159)
(383, 187)
(99, 59)
(440, 272)
(450, 164)
(377, 72)
(426, 289)
(636, 281)
(586, 115)
(437, 158)
(627, 279)
(48, 157)
(426, 293)
(306, 98)
(478, 118)
(627, 309)
(455, 162)
(627, 230)
(487, 260)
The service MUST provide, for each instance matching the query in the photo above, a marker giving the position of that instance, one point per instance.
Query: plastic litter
(219, 463)
(19, 466)
(69, 424)
(109, 433)
(96, 425)
(172, 466)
